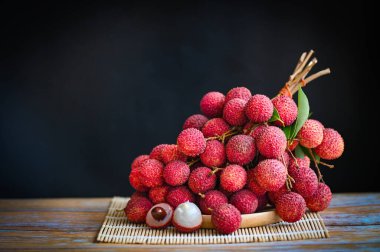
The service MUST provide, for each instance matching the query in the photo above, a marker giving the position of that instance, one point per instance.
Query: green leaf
(310, 114)
(288, 131)
(299, 152)
(303, 112)
(306, 151)
(317, 158)
(275, 115)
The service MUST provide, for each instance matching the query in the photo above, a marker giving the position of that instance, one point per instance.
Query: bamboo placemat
(117, 229)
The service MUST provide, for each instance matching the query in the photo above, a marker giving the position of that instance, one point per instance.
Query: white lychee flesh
(187, 217)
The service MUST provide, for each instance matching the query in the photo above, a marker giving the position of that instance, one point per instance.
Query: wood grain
(49, 224)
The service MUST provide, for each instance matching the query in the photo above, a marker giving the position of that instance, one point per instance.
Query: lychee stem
(326, 164)
(294, 158)
(192, 162)
(216, 169)
(202, 195)
(320, 176)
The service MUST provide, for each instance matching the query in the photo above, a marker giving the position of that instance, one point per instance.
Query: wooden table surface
(353, 221)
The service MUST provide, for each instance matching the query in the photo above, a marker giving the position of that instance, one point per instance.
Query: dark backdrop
(85, 88)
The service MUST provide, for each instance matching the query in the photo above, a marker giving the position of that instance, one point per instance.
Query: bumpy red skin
(271, 143)
(178, 195)
(151, 171)
(256, 132)
(259, 108)
(239, 92)
(302, 163)
(287, 110)
(290, 207)
(273, 196)
(185, 229)
(226, 218)
(306, 181)
(262, 202)
(195, 121)
(233, 112)
(202, 180)
(241, 149)
(285, 159)
(252, 184)
(270, 174)
(138, 194)
(212, 104)
(233, 178)
(191, 142)
(176, 173)
(214, 154)
(138, 160)
(156, 152)
(134, 180)
(137, 209)
(311, 134)
(332, 145)
(245, 201)
(170, 152)
(320, 200)
(215, 127)
(211, 200)
(158, 194)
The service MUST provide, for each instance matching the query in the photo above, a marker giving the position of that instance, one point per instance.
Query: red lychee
(212, 104)
(233, 112)
(156, 152)
(158, 194)
(286, 108)
(214, 154)
(306, 181)
(137, 209)
(271, 143)
(241, 149)
(311, 134)
(134, 180)
(176, 173)
(252, 184)
(320, 200)
(195, 121)
(290, 207)
(239, 92)
(215, 127)
(151, 173)
(191, 142)
(233, 178)
(202, 180)
(178, 195)
(332, 145)
(292, 144)
(270, 174)
(262, 201)
(297, 163)
(245, 201)
(259, 108)
(138, 160)
(211, 200)
(170, 152)
(273, 196)
(138, 194)
(256, 132)
(226, 218)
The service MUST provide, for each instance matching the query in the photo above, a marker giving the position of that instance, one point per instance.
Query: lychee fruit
(215, 127)
(239, 92)
(270, 174)
(305, 181)
(290, 207)
(187, 217)
(138, 160)
(178, 195)
(285, 159)
(259, 108)
(297, 163)
(332, 145)
(191, 142)
(311, 134)
(292, 144)
(159, 216)
(158, 194)
(137, 209)
(151, 171)
(245, 201)
(176, 173)
(286, 108)
(233, 178)
(212, 104)
(271, 143)
(201, 180)
(252, 184)
(214, 154)
(134, 180)
(255, 133)
(262, 201)
(170, 152)
(321, 198)
(226, 218)
(156, 152)
(138, 194)
(241, 149)
(211, 200)
(273, 196)
(195, 121)
(233, 112)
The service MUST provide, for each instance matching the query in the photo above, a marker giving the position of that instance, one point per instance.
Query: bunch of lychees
(243, 152)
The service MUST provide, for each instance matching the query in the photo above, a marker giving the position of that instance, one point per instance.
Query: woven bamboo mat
(117, 229)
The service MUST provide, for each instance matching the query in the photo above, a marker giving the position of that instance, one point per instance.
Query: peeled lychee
(321, 198)
(239, 92)
(215, 127)
(137, 209)
(270, 174)
(178, 195)
(233, 112)
(252, 184)
(332, 145)
(306, 181)
(214, 154)
(138, 160)
(245, 201)
(159, 216)
(191, 142)
(134, 180)
(201, 180)
(241, 149)
(211, 200)
(176, 173)
(290, 207)
(151, 173)
(271, 143)
(233, 178)
(170, 152)
(286, 108)
(187, 217)
(259, 108)
(311, 134)
(195, 121)
(212, 104)
(158, 194)
(226, 218)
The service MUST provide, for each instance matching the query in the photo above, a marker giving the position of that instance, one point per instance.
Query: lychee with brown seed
(226, 218)
(286, 108)
(233, 178)
(158, 194)
(234, 113)
(176, 173)
(270, 174)
(211, 200)
(290, 207)
(191, 142)
(178, 195)
(202, 180)
(311, 133)
(159, 216)
(332, 145)
(214, 154)
(151, 171)
(215, 127)
(137, 209)
(241, 149)
(259, 108)
(321, 198)
(170, 152)
(245, 201)
(195, 121)
(238, 92)
(271, 143)
(212, 104)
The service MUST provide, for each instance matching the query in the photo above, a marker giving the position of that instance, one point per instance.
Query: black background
(85, 88)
